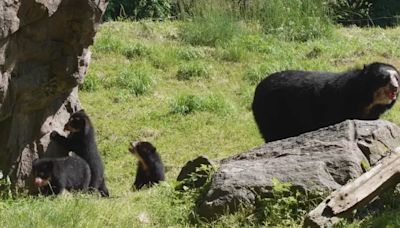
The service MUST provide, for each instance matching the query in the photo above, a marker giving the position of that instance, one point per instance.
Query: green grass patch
(232, 53)
(209, 31)
(136, 81)
(298, 20)
(190, 53)
(135, 51)
(213, 23)
(254, 76)
(193, 70)
(187, 104)
(107, 42)
(76, 210)
(91, 82)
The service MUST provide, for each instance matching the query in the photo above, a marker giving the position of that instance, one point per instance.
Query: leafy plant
(287, 205)
(200, 177)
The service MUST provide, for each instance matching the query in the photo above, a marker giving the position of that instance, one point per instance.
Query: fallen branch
(356, 194)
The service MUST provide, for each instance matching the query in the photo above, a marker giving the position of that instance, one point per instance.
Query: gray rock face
(324, 159)
(43, 56)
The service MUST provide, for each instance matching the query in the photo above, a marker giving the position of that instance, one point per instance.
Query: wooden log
(356, 194)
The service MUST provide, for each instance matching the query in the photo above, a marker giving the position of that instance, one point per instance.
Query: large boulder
(44, 55)
(324, 159)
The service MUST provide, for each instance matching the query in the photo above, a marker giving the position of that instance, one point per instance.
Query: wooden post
(356, 194)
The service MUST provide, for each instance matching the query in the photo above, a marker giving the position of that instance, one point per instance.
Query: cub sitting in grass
(150, 167)
(54, 175)
(290, 103)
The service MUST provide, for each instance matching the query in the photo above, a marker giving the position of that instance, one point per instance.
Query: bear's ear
(365, 69)
(153, 148)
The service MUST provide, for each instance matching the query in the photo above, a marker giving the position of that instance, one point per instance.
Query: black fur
(81, 141)
(150, 167)
(70, 173)
(289, 103)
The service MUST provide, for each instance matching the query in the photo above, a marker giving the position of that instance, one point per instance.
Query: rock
(44, 55)
(193, 168)
(324, 159)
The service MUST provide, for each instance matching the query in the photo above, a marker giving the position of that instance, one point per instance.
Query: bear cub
(81, 140)
(150, 167)
(54, 175)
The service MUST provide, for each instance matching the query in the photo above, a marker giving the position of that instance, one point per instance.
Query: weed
(200, 177)
(288, 206)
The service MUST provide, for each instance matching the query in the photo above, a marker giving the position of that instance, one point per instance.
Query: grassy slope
(222, 125)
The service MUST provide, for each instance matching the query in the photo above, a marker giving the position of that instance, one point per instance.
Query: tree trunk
(44, 55)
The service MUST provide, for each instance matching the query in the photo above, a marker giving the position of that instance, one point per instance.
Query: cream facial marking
(393, 78)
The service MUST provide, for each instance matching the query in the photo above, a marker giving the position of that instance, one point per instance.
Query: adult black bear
(150, 167)
(81, 141)
(289, 103)
(54, 175)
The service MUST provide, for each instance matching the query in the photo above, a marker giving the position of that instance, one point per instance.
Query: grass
(132, 91)
(187, 104)
(298, 20)
(196, 69)
(80, 210)
(210, 26)
(136, 80)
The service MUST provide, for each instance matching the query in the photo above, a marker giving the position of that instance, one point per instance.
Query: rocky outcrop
(324, 159)
(43, 56)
